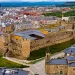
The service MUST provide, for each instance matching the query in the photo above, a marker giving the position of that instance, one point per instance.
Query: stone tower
(47, 58)
(7, 37)
(25, 50)
(7, 43)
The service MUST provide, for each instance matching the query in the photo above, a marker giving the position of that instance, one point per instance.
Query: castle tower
(47, 58)
(25, 50)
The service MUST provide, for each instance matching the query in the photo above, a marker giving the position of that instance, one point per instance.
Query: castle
(61, 66)
(20, 44)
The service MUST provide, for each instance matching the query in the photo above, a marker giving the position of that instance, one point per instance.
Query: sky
(34, 0)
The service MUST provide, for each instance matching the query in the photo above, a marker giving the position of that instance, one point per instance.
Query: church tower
(47, 58)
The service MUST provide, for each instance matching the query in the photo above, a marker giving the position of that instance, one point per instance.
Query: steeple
(47, 58)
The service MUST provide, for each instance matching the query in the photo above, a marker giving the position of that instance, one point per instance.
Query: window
(61, 72)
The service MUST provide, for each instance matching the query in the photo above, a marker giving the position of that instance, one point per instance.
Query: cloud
(33, 0)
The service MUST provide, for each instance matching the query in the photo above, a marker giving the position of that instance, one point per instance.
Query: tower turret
(47, 58)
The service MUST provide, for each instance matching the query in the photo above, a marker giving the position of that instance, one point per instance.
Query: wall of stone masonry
(51, 39)
(71, 70)
(20, 47)
(55, 69)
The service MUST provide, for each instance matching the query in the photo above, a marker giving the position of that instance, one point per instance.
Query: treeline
(59, 14)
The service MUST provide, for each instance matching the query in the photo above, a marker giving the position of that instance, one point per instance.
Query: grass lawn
(35, 61)
(10, 64)
(53, 49)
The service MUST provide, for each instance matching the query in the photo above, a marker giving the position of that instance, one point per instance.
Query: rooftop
(70, 58)
(72, 64)
(30, 34)
(13, 72)
(70, 50)
(57, 62)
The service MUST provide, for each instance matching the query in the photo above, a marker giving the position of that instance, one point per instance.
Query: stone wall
(56, 69)
(71, 70)
(51, 39)
(25, 50)
(20, 47)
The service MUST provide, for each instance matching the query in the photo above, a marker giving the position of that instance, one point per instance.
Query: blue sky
(34, 0)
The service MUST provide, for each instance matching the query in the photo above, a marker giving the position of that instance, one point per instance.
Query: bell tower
(47, 58)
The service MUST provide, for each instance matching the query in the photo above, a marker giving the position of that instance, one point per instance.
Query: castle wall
(51, 39)
(21, 46)
(71, 70)
(25, 50)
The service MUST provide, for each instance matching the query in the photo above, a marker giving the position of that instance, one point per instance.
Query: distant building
(61, 66)
(65, 18)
